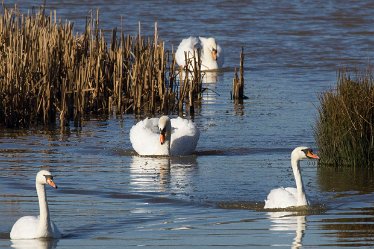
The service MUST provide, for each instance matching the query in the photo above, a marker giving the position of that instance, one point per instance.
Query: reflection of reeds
(47, 72)
(345, 129)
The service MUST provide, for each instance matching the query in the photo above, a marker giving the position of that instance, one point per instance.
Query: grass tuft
(344, 131)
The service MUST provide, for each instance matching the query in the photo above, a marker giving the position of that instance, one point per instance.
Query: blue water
(109, 197)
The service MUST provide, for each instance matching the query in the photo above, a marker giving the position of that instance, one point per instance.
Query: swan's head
(210, 45)
(45, 177)
(303, 152)
(165, 128)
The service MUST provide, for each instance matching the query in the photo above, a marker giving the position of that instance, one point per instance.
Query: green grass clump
(344, 131)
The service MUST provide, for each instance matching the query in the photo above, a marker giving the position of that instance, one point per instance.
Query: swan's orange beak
(51, 183)
(162, 138)
(312, 155)
(214, 54)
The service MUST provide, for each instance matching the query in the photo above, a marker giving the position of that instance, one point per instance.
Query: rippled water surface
(110, 198)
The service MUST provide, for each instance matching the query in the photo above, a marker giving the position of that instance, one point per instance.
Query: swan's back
(26, 228)
(187, 45)
(184, 137)
(281, 198)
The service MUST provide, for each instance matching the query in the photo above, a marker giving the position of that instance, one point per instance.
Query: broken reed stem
(47, 73)
(238, 81)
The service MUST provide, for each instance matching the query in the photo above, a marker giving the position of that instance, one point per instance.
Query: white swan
(33, 227)
(291, 197)
(164, 137)
(211, 54)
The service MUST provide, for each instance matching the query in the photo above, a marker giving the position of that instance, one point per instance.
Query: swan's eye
(306, 151)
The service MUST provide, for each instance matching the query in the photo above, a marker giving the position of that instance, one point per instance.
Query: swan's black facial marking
(49, 181)
(163, 130)
(48, 177)
(309, 153)
(306, 151)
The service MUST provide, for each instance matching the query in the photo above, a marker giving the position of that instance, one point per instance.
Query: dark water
(109, 197)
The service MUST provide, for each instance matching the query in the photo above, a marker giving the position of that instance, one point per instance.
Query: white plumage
(211, 54)
(181, 136)
(282, 198)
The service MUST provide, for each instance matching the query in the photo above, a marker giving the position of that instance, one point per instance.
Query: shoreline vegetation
(50, 75)
(344, 130)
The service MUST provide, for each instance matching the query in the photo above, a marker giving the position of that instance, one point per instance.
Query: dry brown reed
(238, 81)
(345, 129)
(48, 73)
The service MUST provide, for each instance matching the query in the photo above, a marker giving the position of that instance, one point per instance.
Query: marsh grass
(48, 74)
(344, 131)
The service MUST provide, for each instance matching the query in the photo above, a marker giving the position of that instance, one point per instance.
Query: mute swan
(292, 197)
(211, 54)
(164, 136)
(33, 227)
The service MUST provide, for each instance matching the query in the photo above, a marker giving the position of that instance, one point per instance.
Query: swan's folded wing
(25, 228)
(187, 45)
(184, 136)
(280, 198)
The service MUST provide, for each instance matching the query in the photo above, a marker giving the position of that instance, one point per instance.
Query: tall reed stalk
(344, 131)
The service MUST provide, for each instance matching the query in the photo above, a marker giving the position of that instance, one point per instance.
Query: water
(109, 197)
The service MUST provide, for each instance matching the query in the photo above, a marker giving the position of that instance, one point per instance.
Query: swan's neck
(44, 229)
(207, 55)
(167, 146)
(301, 197)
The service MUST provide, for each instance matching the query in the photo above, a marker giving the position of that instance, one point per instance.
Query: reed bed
(48, 74)
(344, 131)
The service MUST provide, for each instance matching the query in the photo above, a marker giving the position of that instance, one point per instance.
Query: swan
(34, 227)
(292, 197)
(211, 54)
(164, 136)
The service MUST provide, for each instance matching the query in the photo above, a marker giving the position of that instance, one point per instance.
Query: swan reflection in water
(207, 77)
(149, 174)
(289, 221)
(34, 244)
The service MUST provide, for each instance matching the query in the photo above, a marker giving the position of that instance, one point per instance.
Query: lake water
(109, 197)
